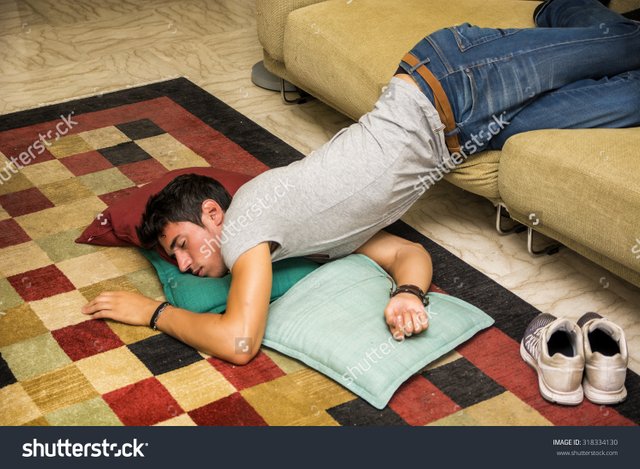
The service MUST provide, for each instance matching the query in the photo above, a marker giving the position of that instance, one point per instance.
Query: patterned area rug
(58, 368)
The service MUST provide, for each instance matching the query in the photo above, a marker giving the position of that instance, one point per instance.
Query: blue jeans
(580, 68)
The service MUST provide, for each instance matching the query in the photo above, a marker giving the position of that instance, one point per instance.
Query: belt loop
(455, 131)
(420, 64)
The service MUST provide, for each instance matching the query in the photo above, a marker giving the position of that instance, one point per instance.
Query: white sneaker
(606, 357)
(553, 347)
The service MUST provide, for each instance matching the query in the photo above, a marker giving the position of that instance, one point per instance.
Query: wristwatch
(407, 288)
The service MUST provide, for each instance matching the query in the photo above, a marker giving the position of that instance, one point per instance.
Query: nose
(184, 261)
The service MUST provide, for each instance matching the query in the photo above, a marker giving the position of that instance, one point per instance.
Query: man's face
(195, 247)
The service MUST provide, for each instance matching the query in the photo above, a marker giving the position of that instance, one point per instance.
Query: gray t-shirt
(329, 203)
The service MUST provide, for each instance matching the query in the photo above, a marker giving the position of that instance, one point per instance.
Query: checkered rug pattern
(59, 368)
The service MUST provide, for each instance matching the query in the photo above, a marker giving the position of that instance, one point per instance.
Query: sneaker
(553, 347)
(606, 357)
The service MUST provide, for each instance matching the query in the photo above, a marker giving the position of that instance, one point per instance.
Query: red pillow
(116, 225)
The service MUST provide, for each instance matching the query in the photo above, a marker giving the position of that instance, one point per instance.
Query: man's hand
(122, 306)
(405, 316)
(407, 263)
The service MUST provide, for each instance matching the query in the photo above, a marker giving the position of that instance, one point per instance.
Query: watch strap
(413, 289)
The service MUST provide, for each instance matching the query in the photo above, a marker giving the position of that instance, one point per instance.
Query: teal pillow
(209, 295)
(333, 320)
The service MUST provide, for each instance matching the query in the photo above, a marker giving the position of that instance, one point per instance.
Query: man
(460, 90)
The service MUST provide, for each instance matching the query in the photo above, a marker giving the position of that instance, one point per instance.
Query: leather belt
(441, 101)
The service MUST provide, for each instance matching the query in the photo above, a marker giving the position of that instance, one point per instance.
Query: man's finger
(424, 319)
(392, 323)
(408, 324)
(103, 314)
(95, 306)
(397, 334)
(389, 318)
(97, 315)
(417, 323)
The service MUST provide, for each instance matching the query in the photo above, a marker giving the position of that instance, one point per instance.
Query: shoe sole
(558, 397)
(598, 396)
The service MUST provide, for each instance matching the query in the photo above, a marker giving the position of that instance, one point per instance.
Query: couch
(579, 187)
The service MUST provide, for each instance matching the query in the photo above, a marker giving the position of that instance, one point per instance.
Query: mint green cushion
(209, 295)
(333, 320)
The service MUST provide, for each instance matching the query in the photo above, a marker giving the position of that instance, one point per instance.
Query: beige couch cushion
(345, 52)
(478, 174)
(582, 185)
(271, 16)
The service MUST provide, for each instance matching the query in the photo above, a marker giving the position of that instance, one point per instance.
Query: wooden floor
(53, 51)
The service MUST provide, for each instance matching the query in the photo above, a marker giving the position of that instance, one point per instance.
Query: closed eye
(181, 246)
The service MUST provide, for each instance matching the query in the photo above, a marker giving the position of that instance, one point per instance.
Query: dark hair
(180, 200)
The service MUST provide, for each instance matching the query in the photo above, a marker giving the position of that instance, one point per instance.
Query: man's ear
(211, 211)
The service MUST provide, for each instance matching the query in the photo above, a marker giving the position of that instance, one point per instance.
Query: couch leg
(263, 78)
(501, 214)
(301, 99)
(550, 249)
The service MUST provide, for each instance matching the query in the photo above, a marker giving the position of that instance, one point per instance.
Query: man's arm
(407, 263)
(234, 336)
